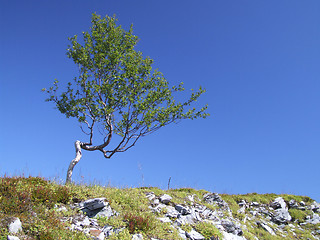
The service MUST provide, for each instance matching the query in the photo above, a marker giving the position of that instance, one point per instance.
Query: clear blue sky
(258, 60)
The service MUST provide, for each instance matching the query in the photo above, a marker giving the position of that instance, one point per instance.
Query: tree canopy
(117, 90)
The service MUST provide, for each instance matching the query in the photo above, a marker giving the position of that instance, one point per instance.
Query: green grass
(33, 200)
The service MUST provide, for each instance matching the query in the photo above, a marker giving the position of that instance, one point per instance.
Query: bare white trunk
(74, 161)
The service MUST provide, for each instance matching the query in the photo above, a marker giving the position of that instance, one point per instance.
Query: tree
(117, 92)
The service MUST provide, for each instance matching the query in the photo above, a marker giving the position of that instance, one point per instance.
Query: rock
(190, 198)
(242, 203)
(185, 219)
(314, 220)
(171, 212)
(281, 216)
(302, 203)
(230, 236)
(60, 209)
(98, 234)
(315, 207)
(266, 227)
(254, 204)
(93, 204)
(96, 207)
(165, 198)
(278, 203)
(108, 230)
(12, 238)
(158, 207)
(194, 235)
(182, 233)
(181, 209)
(104, 212)
(150, 195)
(15, 225)
(293, 204)
(242, 209)
(137, 237)
(164, 219)
(231, 227)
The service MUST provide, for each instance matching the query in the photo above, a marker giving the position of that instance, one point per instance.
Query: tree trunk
(74, 161)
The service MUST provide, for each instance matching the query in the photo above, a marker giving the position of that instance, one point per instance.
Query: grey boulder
(281, 216)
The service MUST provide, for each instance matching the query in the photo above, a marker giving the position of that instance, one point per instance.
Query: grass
(33, 201)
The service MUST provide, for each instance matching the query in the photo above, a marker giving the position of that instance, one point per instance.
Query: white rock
(164, 219)
(150, 196)
(137, 237)
(230, 236)
(171, 212)
(314, 220)
(12, 238)
(194, 235)
(278, 203)
(182, 233)
(267, 228)
(15, 226)
(181, 209)
(165, 198)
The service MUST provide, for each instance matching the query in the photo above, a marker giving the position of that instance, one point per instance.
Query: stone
(181, 209)
(108, 230)
(93, 204)
(315, 207)
(182, 233)
(98, 234)
(60, 209)
(137, 237)
(171, 212)
(242, 203)
(150, 195)
(214, 198)
(266, 227)
(12, 238)
(281, 216)
(194, 235)
(302, 203)
(164, 219)
(278, 203)
(185, 219)
(165, 198)
(15, 226)
(254, 204)
(190, 198)
(230, 236)
(104, 212)
(231, 227)
(242, 209)
(92, 207)
(293, 204)
(314, 220)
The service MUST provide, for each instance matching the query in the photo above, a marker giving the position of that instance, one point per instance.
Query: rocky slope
(151, 213)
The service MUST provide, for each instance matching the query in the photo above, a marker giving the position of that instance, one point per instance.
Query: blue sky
(258, 60)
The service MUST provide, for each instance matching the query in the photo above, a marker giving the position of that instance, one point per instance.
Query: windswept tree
(117, 93)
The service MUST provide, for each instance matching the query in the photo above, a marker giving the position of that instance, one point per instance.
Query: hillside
(34, 208)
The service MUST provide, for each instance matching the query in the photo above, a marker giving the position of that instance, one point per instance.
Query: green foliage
(298, 215)
(186, 227)
(137, 223)
(117, 87)
(209, 231)
(32, 200)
